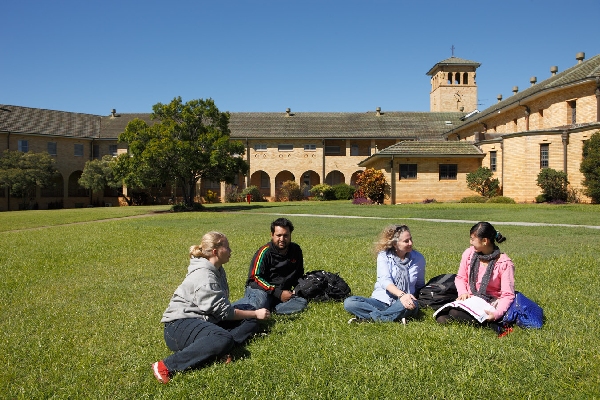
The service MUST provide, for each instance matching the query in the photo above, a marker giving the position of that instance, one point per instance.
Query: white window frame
(260, 147)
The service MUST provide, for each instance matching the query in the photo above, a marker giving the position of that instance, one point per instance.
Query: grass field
(83, 292)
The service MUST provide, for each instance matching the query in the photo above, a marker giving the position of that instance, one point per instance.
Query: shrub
(371, 184)
(290, 191)
(501, 199)
(540, 198)
(254, 192)
(323, 192)
(211, 197)
(361, 201)
(590, 167)
(344, 191)
(481, 181)
(553, 184)
(473, 199)
(427, 201)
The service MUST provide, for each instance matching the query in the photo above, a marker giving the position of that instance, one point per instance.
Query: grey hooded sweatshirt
(204, 294)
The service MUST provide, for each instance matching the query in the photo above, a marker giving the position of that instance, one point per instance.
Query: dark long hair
(486, 230)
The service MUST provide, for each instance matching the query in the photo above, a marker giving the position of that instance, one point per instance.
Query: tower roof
(453, 61)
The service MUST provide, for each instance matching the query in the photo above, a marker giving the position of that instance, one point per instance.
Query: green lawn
(81, 305)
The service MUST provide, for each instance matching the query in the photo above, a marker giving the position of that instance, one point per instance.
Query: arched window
(457, 78)
(449, 78)
(465, 78)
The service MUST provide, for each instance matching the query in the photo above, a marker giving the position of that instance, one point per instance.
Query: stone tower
(453, 85)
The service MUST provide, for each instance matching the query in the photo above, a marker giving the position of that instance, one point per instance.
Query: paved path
(454, 221)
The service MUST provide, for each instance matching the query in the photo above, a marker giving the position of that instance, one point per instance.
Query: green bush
(473, 199)
(254, 191)
(290, 191)
(232, 194)
(344, 191)
(554, 184)
(501, 199)
(590, 167)
(540, 198)
(481, 181)
(322, 192)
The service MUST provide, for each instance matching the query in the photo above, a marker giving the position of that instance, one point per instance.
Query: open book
(474, 305)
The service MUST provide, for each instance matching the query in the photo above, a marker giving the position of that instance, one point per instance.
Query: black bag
(322, 286)
(438, 291)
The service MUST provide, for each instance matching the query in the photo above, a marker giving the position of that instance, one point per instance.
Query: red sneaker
(505, 332)
(160, 371)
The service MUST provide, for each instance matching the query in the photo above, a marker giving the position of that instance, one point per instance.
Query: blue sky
(252, 55)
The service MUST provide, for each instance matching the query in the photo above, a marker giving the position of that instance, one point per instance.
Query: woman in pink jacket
(484, 272)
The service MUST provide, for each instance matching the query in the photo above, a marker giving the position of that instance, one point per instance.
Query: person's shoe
(160, 371)
(226, 359)
(506, 331)
(356, 320)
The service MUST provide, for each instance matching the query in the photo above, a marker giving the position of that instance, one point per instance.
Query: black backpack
(438, 291)
(322, 286)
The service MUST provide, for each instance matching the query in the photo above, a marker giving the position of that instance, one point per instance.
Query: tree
(22, 172)
(371, 184)
(590, 167)
(481, 182)
(188, 142)
(554, 184)
(98, 174)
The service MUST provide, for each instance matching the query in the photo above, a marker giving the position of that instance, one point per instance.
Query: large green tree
(481, 181)
(590, 167)
(23, 172)
(187, 142)
(98, 174)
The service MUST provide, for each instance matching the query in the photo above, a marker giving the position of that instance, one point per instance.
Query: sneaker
(505, 332)
(160, 371)
(226, 359)
(356, 320)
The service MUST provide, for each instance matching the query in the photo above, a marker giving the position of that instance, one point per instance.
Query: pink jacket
(502, 282)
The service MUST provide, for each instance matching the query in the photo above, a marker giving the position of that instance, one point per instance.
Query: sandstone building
(424, 155)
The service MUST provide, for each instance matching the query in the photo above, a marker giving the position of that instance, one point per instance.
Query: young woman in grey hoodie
(201, 325)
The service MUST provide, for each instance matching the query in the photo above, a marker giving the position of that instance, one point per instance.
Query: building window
(23, 146)
(78, 150)
(96, 151)
(112, 150)
(310, 147)
(264, 180)
(449, 82)
(465, 78)
(52, 148)
(332, 149)
(285, 147)
(260, 147)
(354, 150)
(544, 155)
(448, 171)
(572, 112)
(408, 171)
(493, 161)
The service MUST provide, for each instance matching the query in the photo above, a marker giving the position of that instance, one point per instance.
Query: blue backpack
(524, 312)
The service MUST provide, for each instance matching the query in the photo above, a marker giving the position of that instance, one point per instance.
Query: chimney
(499, 97)
(378, 111)
(288, 112)
(533, 80)
(580, 57)
(515, 90)
(113, 112)
(554, 70)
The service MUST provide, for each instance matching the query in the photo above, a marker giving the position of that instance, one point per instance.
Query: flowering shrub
(361, 201)
(371, 184)
(323, 192)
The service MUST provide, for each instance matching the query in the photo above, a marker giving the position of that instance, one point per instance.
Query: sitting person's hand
(463, 296)
(286, 295)
(263, 313)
